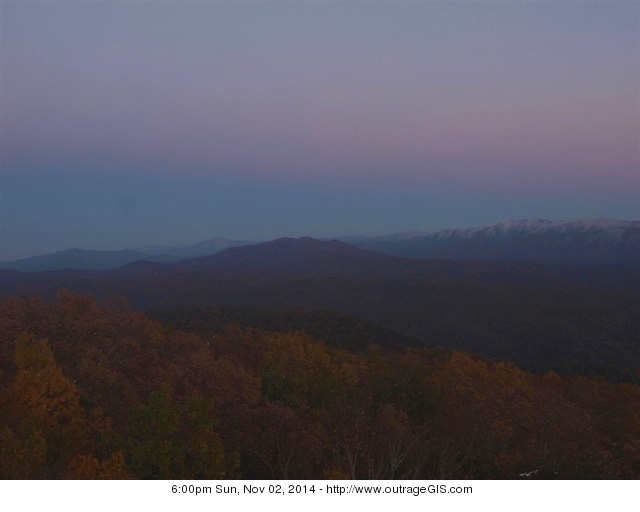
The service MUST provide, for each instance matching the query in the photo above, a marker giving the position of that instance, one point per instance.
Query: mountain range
(541, 315)
(600, 241)
(108, 260)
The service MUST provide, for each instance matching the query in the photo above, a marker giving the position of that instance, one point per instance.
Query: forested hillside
(566, 318)
(102, 391)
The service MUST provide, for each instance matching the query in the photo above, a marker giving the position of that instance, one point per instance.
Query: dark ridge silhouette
(297, 256)
(79, 259)
(600, 241)
(580, 318)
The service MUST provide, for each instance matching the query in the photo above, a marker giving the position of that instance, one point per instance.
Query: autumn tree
(44, 424)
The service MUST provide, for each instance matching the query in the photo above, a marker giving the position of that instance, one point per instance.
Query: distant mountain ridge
(597, 241)
(85, 259)
(534, 313)
(288, 260)
(204, 248)
(295, 256)
(78, 259)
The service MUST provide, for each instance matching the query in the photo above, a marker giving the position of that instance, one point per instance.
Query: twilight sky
(124, 124)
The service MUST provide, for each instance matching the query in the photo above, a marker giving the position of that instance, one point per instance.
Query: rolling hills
(574, 318)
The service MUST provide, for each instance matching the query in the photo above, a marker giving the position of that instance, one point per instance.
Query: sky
(125, 124)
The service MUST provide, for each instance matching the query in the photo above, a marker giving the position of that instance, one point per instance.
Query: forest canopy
(91, 390)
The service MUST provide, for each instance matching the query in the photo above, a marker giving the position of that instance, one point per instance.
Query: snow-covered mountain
(599, 241)
(581, 241)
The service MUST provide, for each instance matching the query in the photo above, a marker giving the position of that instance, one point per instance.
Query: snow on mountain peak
(605, 228)
(608, 228)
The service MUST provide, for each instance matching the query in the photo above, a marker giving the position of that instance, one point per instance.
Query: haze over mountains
(600, 241)
(107, 260)
(78, 259)
(178, 252)
(579, 317)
